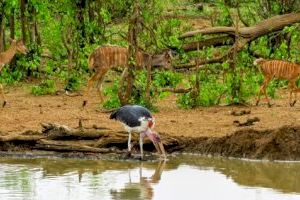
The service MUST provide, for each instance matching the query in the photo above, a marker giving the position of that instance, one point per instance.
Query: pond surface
(182, 177)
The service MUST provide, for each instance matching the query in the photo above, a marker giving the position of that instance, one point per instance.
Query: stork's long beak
(160, 148)
(155, 138)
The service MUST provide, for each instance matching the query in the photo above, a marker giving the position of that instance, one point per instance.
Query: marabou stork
(138, 119)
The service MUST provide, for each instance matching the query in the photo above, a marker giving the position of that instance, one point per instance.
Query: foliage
(112, 91)
(68, 31)
(73, 83)
(160, 79)
(46, 87)
(211, 89)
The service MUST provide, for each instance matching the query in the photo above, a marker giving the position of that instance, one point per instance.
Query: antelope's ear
(12, 40)
(169, 54)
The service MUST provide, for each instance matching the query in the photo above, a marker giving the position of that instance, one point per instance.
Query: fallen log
(215, 42)
(262, 28)
(56, 131)
(68, 146)
(176, 90)
(20, 137)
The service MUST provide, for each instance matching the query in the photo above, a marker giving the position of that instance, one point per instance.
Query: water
(183, 177)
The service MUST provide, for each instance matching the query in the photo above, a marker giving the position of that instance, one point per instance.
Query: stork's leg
(141, 144)
(129, 141)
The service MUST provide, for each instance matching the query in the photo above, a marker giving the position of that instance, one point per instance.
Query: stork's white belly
(137, 129)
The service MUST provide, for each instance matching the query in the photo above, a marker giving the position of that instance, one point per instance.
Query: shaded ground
(204, 130)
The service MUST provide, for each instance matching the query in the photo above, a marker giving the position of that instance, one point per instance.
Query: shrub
(46, 87)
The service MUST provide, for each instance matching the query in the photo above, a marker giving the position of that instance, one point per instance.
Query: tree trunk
(12, 23)
(133, 30)
(2, 24)
(91, 7)
(23, 19)
(80, 6)
(148, 86)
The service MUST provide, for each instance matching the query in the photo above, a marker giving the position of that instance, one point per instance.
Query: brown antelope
(281, 70)
(106, 57)
(6, 56)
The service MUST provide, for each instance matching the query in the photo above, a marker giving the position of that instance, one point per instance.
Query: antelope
(106, 57)
(281, 70)
(6, 56)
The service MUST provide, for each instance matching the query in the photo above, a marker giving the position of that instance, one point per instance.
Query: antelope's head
(164, 59)
(21, 48)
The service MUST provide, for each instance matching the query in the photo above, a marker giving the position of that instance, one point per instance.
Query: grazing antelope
(281, 70)
(106, 57)
(6, 56)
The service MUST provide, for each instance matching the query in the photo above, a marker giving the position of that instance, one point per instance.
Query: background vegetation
(60, 34)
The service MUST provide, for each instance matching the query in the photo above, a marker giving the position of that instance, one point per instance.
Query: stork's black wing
(130, 114)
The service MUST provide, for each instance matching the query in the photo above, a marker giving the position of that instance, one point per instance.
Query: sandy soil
(25, 111)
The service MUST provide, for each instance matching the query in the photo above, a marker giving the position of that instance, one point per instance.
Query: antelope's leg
(263, 89)
(99, 85)
(97, 76)
(267, 80)
(293, 89)
(87, 92)
(2, 95)
(258, 95)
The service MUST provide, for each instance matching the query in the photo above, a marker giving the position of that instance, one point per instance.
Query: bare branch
(176, 90)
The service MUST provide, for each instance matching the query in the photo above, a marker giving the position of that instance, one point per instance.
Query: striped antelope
(281, 70)
(6, 56)
(106, 57)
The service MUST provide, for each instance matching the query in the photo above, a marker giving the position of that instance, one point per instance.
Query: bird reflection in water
(143, 189)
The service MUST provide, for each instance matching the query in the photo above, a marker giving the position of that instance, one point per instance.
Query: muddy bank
(274, 144)
(97, 142)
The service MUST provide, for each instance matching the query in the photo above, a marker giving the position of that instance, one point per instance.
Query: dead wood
(248, 122)
(198, 6)
(18, 137)
(70, 146)
(240, 113)
(115, 139)
(238, 45)
(57, 131)
(262, 28)
(215, 42)
(176, 90)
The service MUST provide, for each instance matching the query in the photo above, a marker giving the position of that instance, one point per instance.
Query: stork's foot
(164, 158)
(142, 158)
(4, 103)
(293, 103)
(128, 154)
